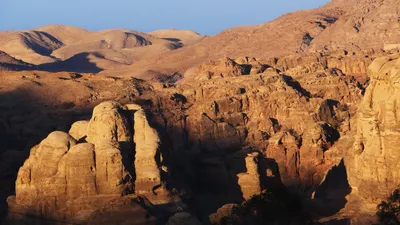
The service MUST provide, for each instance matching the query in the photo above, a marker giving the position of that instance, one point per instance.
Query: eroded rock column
(147, 143)
(249, 181)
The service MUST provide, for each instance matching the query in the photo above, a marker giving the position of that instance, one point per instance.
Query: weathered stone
(222, 212)
(373, 168)
(36, 177)
(79, 130)
(67, 181)
(108, 123)
(146, 154)
(112, 177)
(249, 181)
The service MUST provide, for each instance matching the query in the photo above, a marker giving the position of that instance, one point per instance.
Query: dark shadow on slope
(173, 39)
(330, 196)
(8, 62)
(78, 63)
(16, 67)
(38, 48)
(296, 85)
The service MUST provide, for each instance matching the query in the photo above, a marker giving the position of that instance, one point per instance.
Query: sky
(203, 16)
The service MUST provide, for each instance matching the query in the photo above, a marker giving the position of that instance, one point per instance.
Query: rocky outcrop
(66, 180)
(222, 212)
(79, 130)
(372, 167)
(147, 153)
(109, 123)
(341, 62)
(249, 181)
(224, 68)
(294, 121)
(113, 176)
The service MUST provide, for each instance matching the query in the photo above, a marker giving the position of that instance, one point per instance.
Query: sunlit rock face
(373, 168)
(65, 179)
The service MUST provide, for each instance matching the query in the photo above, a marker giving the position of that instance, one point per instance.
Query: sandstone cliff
(373, 164)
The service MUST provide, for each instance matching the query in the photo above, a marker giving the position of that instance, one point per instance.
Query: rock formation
(222, 212)
(66, 180)
(373, 165)
(147, 153)
(79, 130)
(294, 120)
(249, 181)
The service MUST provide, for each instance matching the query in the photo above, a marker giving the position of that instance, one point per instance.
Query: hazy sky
(203, 16)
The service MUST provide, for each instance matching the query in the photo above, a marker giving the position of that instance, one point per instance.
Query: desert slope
(66, 34)
(351, 26)
(30, 46)
(186, 37)
(366, 25)
(58, 45)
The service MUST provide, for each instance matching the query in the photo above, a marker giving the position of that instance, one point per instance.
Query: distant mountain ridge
(341, 25)
(53, 47)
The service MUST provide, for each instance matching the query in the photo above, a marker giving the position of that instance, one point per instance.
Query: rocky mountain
(352, 26)
(355, 27)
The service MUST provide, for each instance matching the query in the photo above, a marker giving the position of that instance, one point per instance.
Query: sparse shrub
(388, 212)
